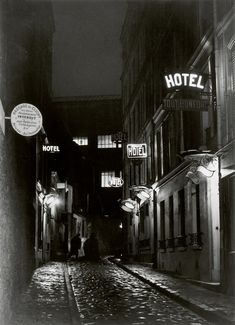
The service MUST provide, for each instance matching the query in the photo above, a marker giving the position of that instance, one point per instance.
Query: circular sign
(116, 182)
(26, 119)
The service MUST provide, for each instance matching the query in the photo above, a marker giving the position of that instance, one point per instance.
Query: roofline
(85, 98)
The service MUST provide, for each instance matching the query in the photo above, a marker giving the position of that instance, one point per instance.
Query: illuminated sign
(50, 148)
(116, 182)
(176, 104)
(137, 151)
(190, 80)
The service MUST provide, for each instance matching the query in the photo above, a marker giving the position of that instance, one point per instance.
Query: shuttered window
(233, 67)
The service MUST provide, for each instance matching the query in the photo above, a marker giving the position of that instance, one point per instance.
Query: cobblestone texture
(46, 300)
(106, 294)
(217, 303)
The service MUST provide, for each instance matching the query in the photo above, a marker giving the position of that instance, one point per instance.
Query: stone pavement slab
(46, 301)
(214, 306)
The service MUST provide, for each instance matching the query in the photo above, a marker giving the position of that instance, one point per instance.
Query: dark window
(198, 209)
(158, 154)
(166, 147)
(181, 200)
(162, 220)
(171, 217)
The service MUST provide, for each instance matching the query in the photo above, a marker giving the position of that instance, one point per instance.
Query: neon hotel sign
(191, 80)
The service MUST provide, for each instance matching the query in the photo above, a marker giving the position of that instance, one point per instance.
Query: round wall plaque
(26, 119)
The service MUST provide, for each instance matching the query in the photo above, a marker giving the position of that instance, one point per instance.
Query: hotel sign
(137, 151)
(188, 80)
(51, 149)
(116, 182)
(175, 104)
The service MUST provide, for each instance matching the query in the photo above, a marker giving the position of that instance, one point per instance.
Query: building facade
(174, 103)
(24, 66)
(94, 161)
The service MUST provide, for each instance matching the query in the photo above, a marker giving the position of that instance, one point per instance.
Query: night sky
(86, 47)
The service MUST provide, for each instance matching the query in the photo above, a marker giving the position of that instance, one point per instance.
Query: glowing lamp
(128, 205)
(206, 172)
(143, 195)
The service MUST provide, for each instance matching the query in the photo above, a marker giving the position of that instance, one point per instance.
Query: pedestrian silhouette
(91, 248)
(75, 245)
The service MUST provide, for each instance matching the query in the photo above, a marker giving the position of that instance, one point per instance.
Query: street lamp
(203, 162)
(128, 205)
(142, 192)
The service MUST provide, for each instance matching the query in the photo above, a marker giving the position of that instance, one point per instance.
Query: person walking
(91, 248)
(75, 245)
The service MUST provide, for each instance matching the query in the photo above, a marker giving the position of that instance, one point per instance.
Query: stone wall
(20, 81)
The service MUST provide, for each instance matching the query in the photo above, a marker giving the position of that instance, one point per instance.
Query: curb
(74, 311)
(211, 316)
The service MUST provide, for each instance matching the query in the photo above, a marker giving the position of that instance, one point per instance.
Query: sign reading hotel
(116, 182)
(51, 149)
(137, 151)
(26, 119)
(188, 80)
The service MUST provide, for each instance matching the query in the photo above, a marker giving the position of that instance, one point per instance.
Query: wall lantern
(128, 205)
(203, 162)
(142, 192)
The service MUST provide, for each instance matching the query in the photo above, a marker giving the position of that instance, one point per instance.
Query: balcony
(181, 243)
(144, 243)
(196, 240)
(170, 244)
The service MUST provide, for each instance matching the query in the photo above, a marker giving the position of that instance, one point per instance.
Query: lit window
(106, 177)
(81, 141)
(105, 141)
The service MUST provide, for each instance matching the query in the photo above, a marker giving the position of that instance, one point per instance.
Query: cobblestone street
(105, 294)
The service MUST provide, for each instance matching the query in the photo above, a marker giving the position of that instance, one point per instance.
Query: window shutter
(233, 67)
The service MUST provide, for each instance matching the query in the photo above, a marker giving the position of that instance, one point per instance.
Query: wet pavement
(87, 293)
(106, 294)
(215, 306)
(46, 302)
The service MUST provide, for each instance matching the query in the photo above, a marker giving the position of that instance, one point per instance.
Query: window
(81, 141)
(162, 220)
(159, 154)
(181, 200)
(162, 241)
(105, 141)
(233, 66)
(171, 217)
(196, 208)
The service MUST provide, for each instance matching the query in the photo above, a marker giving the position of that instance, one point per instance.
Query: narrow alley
(117, 162)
